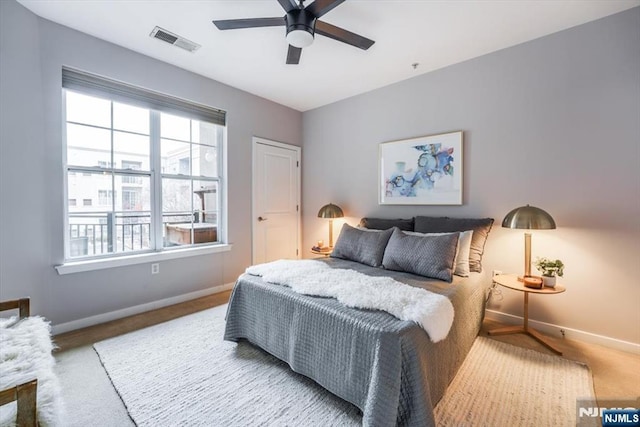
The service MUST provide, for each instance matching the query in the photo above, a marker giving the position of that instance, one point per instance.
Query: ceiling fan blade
(233, 24)
(343, 35)
(320, 7)
(288, 5)
(293, 55)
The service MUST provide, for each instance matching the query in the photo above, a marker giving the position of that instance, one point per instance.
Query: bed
(389, 368)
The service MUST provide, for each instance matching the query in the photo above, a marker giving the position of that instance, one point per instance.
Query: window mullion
(113, 223)
(156, 181)
(193, 233)
(221, 151)
(67, 226)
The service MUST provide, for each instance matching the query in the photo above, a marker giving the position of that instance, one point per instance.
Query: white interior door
(276, 201)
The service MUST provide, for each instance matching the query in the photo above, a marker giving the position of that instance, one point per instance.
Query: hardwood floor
(96, 333)
(616, 374)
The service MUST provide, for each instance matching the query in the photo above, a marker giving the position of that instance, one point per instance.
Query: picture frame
(421, 171)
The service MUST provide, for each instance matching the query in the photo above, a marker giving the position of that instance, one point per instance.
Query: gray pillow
(384, 223)
(426, 255)
(480, 227)
(365, 247)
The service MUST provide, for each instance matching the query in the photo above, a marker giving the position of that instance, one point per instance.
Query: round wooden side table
(511, 281)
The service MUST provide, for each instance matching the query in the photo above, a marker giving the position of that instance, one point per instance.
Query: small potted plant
(549, 269)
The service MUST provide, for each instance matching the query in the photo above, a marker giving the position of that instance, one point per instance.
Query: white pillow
(464, 246)
(462, 252)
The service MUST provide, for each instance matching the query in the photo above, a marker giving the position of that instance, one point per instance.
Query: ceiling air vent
(174, 39)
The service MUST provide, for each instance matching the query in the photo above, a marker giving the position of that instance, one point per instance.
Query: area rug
(182, 373)
(503, 385)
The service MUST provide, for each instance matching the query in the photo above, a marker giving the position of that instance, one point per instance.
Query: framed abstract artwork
(421, 171)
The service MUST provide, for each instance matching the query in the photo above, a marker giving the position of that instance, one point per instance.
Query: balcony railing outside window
(108, 233)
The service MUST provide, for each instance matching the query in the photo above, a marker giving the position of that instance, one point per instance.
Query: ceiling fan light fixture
(300, 38)
(300, 28)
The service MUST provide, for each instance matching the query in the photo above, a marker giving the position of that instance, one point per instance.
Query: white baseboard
(569, 333)
(137, 309)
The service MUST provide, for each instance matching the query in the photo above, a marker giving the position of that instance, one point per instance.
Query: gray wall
(554, 122)
(31, 171)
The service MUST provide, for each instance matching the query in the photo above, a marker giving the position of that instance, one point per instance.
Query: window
(105, 197)
(154, 163)
(104, 164)
(183, 166)
(131, 198)
(136, 166)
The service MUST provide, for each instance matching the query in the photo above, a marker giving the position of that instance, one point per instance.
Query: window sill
(99, 264)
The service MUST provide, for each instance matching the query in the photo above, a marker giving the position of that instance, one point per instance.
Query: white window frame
(157, 253)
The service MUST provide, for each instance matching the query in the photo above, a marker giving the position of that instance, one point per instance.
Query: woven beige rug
(182, 373)
(503, 385)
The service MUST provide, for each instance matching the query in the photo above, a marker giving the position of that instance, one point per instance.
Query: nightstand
(511, 281)
(325, 253)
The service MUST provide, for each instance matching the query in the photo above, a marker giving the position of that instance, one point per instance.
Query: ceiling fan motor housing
(300, 28)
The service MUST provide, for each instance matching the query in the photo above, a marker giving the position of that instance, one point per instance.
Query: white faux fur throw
(433, 312)
(25, 354)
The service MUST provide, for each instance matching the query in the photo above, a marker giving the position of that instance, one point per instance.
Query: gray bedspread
(389, 368)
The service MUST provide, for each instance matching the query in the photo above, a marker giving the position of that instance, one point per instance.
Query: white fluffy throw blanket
(25, 354)
(433, 312)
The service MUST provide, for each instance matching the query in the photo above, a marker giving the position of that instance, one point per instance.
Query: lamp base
(331, 233)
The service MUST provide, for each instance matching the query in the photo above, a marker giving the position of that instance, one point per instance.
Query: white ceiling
(433, 33)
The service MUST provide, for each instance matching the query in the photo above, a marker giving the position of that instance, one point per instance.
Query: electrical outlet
(496, 272)
(155, 268)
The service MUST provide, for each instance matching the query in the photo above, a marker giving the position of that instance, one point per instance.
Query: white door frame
(258, 140)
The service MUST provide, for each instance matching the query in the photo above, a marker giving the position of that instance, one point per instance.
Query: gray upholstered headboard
(428, 224)
(383, 224)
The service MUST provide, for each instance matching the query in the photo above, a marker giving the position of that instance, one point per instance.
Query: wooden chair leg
(26, 397)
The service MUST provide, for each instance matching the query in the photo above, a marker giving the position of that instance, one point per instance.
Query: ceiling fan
(302, 23)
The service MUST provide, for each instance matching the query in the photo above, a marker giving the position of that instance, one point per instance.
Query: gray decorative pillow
(384, 223)
(426, 255)
(361, 246)
(480, 227)
(461, 262)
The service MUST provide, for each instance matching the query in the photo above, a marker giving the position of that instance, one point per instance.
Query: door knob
(261, 219)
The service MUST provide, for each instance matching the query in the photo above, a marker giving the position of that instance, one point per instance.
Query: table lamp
(330, 211)
(528, 218)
